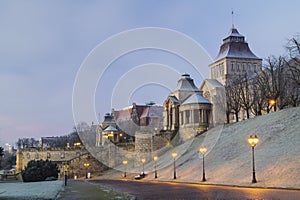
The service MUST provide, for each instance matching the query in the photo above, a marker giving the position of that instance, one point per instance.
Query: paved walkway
(80, 190)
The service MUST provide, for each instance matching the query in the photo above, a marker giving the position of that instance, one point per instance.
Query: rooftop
(186, 83)
(234, 46)
(196, 99)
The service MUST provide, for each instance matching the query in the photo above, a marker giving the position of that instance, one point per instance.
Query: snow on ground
(229, 158)
(32, 190)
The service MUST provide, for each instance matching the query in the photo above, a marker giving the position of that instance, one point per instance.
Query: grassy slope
(228, 161)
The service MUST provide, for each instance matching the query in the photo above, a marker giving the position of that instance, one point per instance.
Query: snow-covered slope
(229, 161)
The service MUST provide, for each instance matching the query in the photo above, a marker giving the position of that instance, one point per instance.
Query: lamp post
(253, 140)
(155, 170)
(203, 150)
(174, 155)
(143, 161)
(125, 163)
(86, 165)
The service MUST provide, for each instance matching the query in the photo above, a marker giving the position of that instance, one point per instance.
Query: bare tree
(1, 156)
(258, 97)
(293, 61)
(272, 81)
(246, 91)
(233, 97)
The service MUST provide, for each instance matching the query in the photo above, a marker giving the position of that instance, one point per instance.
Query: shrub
(40, 170)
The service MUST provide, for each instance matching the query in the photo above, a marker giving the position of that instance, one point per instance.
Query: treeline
(276, 86)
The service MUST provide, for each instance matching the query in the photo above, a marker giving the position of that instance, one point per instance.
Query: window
(238, 67)
(232, 66)
(187, 116)
(196, 116)
(222, 69)
(48, 155)
(181, 117)
(62, 155)
(254, 67)
(244, 67)
(249, 67)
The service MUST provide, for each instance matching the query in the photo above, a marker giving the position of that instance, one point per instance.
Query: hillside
(228, 161)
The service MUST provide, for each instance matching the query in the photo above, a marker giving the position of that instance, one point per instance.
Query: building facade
(186, 110)
(234, 61)
(234, 58)
(122, 125)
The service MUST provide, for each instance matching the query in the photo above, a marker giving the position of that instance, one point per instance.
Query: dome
(186, 83)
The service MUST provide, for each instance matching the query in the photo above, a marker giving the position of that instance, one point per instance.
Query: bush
(40, 170)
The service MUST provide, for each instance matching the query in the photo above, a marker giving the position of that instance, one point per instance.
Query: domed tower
(234, 58)
(186, 110)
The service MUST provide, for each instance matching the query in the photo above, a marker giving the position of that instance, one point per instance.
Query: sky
(43, 45)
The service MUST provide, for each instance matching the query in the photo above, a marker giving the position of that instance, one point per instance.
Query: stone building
(186, 110)
(121, 125)
(144, 117)
(108, 131)
(235, 59)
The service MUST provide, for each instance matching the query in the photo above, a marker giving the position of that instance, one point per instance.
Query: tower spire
(232, 18)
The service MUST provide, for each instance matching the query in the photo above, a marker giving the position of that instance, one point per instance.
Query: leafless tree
(293, 60)
(272, 81)
(246, 91)
(233, 97)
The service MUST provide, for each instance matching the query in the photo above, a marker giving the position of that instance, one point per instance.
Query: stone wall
(73, 157)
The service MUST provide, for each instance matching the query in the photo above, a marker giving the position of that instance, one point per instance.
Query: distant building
(186, 110)
(121, 125)
(149, 115)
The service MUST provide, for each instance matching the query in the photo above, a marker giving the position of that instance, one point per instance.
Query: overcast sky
(44, 43)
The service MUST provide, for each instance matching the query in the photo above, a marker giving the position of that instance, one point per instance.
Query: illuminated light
(203, 150)
(111, 134)
(174, 155)
(253, 140)
(155, 158)
(77, 144)
(272, 102)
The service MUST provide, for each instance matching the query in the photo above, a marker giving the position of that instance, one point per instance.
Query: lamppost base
(203, 179)
(254, 181)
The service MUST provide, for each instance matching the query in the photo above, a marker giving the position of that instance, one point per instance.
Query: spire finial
(232, 18)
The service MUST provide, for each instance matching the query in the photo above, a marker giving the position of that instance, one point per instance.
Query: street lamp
(125, 163)
(155, 170)
(143, 161)
(174, 155)
(203, 150)
(86, 165)
(253, 140)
